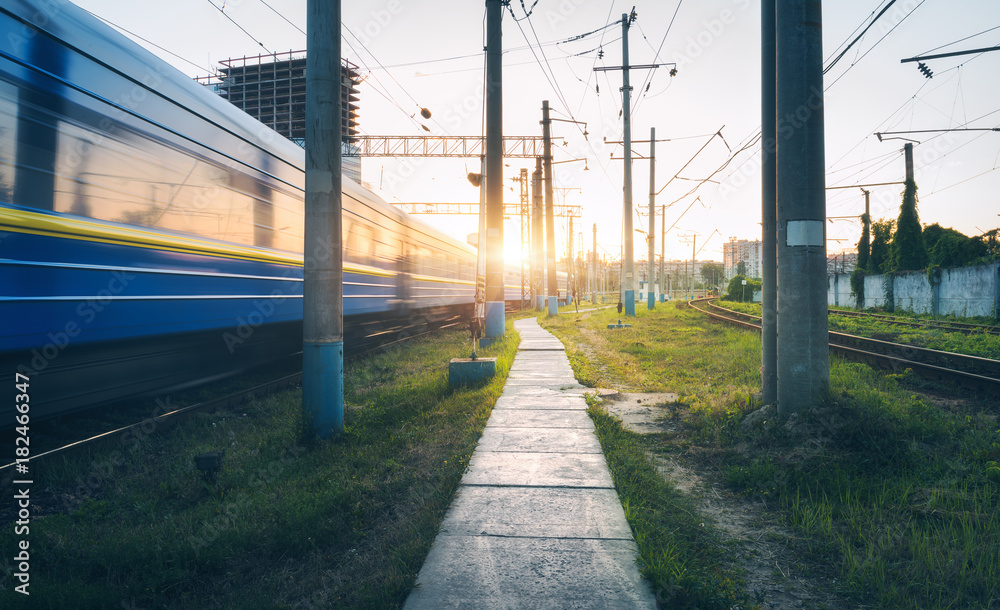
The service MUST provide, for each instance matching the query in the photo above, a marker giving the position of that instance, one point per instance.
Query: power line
(149, 42)
(238, 25)
(278, 13)
(858, 60)
(858, 37)
(960, 40)
(656, 56)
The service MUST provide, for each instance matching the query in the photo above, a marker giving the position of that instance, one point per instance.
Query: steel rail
(942, 324)
(979, 374)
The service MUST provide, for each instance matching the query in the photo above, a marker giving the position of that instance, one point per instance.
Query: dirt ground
(776, 576)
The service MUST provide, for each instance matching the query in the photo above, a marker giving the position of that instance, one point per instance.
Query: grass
(897, 496)
(682, 558)
(289, 521)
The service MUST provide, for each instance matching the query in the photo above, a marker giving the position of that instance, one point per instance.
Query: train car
(151, 234)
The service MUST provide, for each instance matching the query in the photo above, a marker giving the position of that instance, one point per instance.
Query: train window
(289, 221)
(8, 140)
(360, 243)
(384, 252)
(132, 180)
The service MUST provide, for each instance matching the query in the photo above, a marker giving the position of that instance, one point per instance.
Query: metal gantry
(515, 147)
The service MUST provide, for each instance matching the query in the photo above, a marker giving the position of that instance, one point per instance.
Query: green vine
(887, 289)
(858, 287)
(934, 275)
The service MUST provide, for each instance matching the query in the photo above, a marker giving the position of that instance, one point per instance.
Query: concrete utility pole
(537, 236)
(651, 240)
(769, 255)
(694, 242)
(593, 269)
(494, 175)
(525, 240)
(803, 352)
(663, 252)
(323, 272)
(550, 221)
(908, 154)
(570, 263)
(628, 267)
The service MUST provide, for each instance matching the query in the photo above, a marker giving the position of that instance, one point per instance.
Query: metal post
(769, 260)
(550, 221)
(803, 353)
(628, 270)
(537, 236)
(494, 175)
(651, 293)
(323, 271)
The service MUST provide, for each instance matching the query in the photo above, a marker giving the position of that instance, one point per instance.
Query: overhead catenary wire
(242, 29)
(877, 42)
(656, 58)
(858, 37)
(149, 42)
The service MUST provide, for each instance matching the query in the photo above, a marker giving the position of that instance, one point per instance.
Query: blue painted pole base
(553, 306)
(494, 320)
(651, 301)
(323, 387)
(464, 371)
(663, 298)
(539, 302)
(630, 303)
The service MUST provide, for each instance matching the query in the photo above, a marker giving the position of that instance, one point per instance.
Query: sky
(417, 54)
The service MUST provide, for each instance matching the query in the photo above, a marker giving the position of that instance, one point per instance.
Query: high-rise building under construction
(272, 89)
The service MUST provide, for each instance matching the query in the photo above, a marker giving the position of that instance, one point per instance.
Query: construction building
(272, 89)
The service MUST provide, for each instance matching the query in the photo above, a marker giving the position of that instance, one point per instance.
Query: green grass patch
(288, 522)
(895, 494)
(682, 555)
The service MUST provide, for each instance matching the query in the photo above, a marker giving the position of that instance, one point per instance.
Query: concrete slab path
(536, 522)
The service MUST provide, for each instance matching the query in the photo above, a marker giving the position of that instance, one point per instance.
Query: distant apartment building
(741, 250)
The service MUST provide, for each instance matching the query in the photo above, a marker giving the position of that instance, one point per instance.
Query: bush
(738, 292)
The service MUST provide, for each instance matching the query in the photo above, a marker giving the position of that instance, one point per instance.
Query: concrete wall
(970, 291)
(875, 291)
(912, 292)
(960, 291)
(838, 290)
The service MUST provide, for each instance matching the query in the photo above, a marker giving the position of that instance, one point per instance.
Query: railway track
(970, 372)
(46, 446)
(961, 327)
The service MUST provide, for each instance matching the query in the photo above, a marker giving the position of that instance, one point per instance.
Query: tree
(741, 268)
(878, 259)
(864, 244)
(711, 272)
(908, 252)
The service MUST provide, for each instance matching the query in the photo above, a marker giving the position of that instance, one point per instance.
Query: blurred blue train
(151, 233)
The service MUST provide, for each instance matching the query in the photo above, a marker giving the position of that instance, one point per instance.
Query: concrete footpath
(536, 522)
